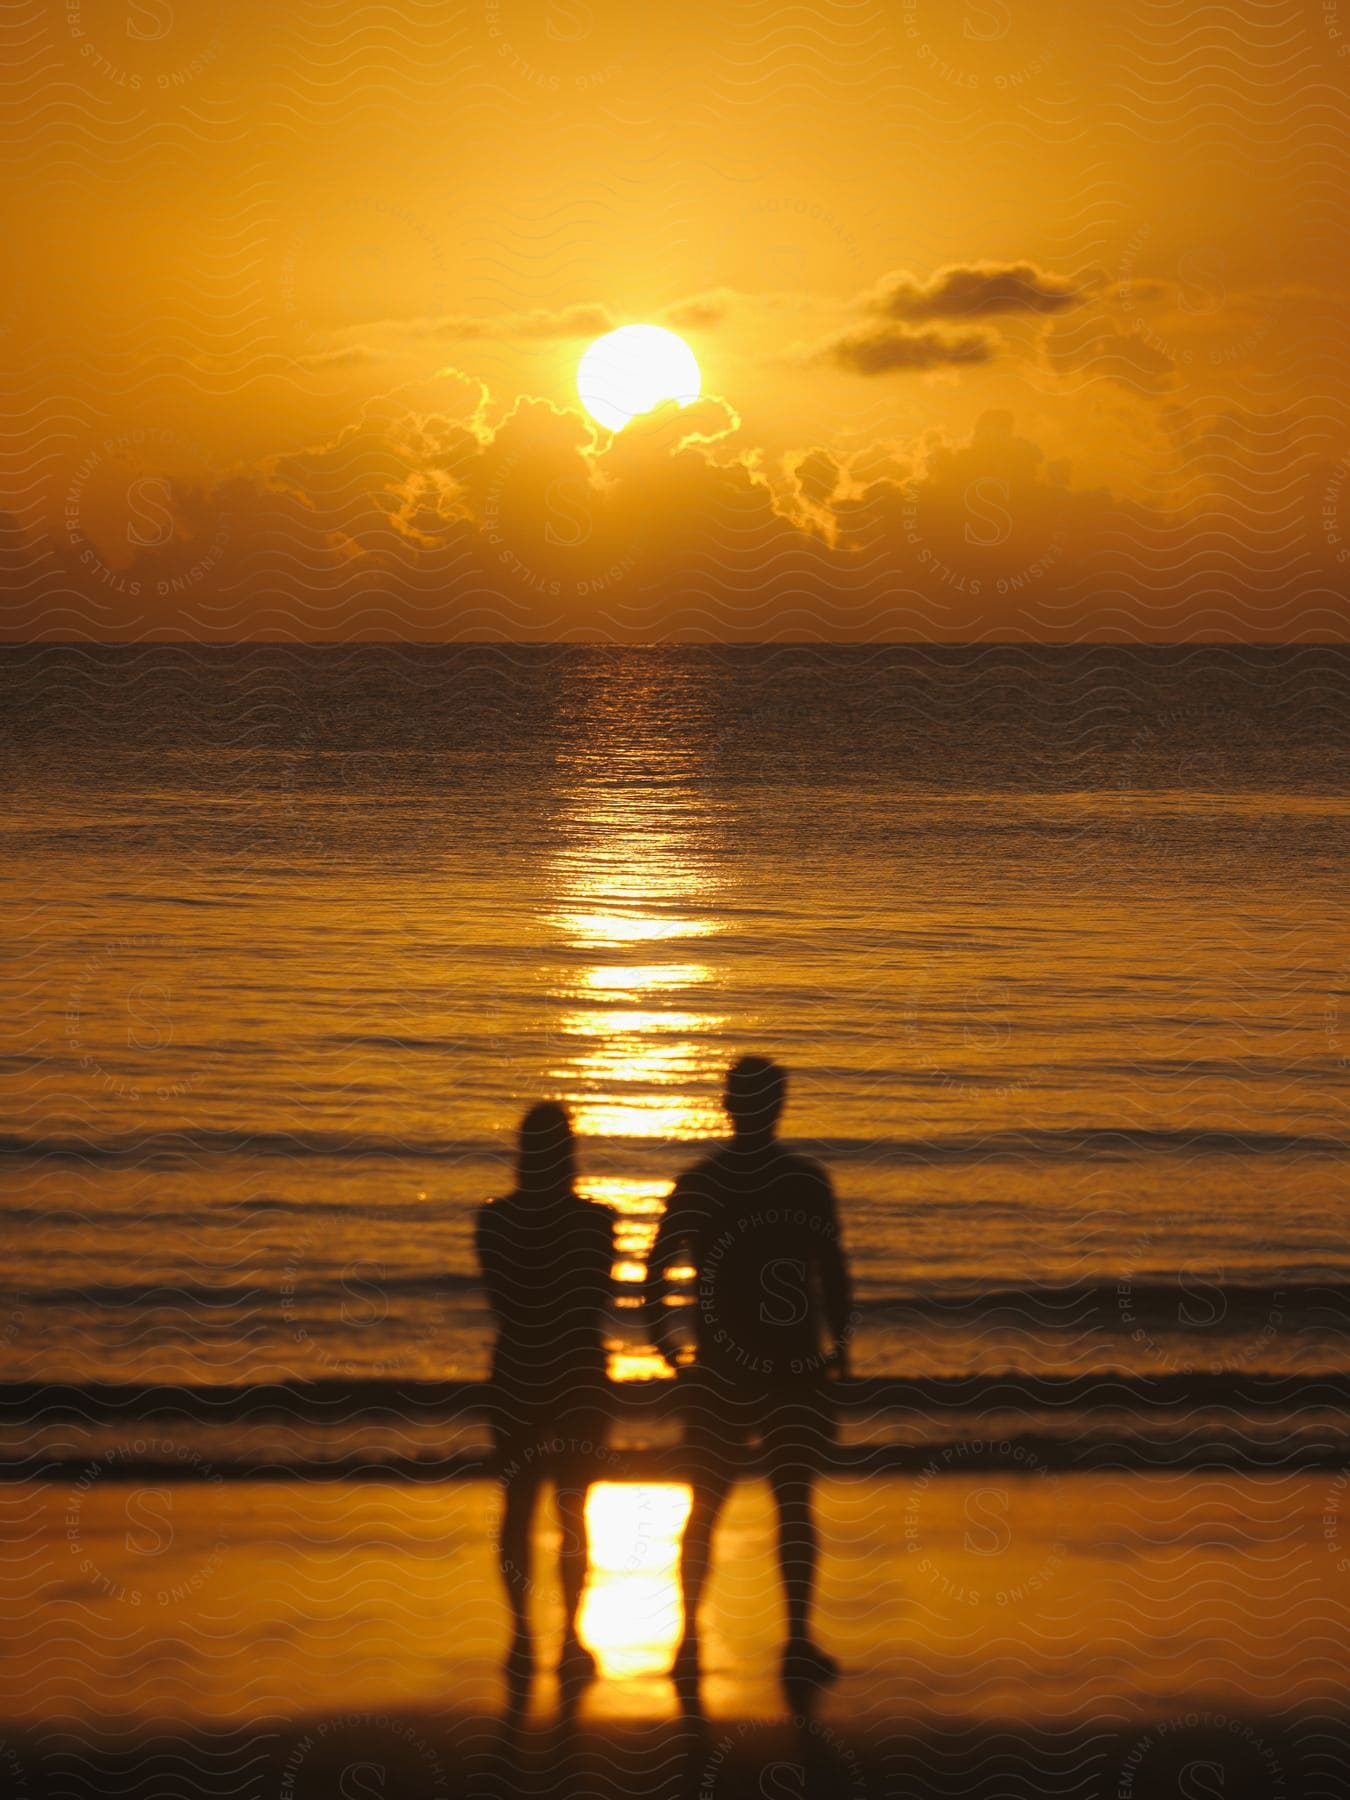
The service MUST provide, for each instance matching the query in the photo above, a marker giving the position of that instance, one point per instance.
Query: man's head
(755, 1091)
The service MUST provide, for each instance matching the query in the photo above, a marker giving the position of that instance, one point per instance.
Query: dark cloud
(350, 356)
(586, 319)
(972, 291)
(1099, 352)
(452, 520)
(572, 321)
(984, 526)
(883, 349)
(817, 476)
(700, 311)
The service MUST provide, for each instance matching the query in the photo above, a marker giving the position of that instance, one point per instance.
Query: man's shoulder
(805, 1168)
(726, 1159)
(724, 1173)
(807, 1182)
(701, 1175)
(697, 1190)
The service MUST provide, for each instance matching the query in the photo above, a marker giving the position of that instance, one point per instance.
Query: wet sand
(1094, 1635)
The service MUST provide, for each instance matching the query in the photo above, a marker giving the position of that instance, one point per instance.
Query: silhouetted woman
(546, 1256)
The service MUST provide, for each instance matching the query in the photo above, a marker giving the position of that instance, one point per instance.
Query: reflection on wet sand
(1155, 1594)
(632, 1616)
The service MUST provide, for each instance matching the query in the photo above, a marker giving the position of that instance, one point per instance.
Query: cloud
(445, 517)
(883, 349)
(971, 291)
(700, 311)
(817, 476)
(349, 356)
(987, 524)
(1101, 352)
(585, 319)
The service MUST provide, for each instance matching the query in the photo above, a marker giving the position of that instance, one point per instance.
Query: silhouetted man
(758, 1226)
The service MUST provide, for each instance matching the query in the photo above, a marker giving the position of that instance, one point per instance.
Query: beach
(1063, 1634)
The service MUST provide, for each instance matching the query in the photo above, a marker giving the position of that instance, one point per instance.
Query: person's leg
(520, 1490)
(710, 1487)
(797, 1547)
(713, 1433)
(717, 1420)
(796, 1434)
(573, 1550)
(583, 1428)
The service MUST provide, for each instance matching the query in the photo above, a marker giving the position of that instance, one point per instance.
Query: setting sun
(633, 369)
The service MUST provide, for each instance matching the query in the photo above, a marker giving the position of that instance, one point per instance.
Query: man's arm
(836, 1285)
(603, 1262)
(672, 1247)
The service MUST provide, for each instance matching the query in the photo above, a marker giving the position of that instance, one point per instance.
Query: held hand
(667, 1347)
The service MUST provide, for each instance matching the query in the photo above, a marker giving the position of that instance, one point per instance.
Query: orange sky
(1017, 319)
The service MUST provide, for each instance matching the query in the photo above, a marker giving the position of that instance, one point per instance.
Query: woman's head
(546, 1159)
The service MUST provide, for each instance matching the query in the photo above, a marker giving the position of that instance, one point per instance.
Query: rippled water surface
(1052, 942)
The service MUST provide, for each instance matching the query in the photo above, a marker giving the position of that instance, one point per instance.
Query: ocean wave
(1209, 1296)
(1198, 1302)
(191, 1296)
(1105, 1143)
(166, 1146)
(391, 1430)
(1086, 1143)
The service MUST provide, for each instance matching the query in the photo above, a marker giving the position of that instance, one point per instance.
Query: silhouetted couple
(756, 1225)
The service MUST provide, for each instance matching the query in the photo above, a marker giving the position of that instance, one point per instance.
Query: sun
(633, 369)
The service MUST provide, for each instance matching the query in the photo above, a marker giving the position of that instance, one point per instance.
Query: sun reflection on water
(629, 928)
(636, 1059)
(647, 978)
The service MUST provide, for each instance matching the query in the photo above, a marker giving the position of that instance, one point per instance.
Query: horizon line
(186, 643)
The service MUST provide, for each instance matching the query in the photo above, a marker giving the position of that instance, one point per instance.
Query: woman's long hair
(546, 1157)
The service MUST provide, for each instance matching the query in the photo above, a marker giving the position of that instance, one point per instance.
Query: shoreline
(287, 1638)
(436, 1399)
(426, 1432)
(992, 1454)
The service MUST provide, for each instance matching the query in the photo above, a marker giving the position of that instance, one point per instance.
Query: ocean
(1052, 942)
